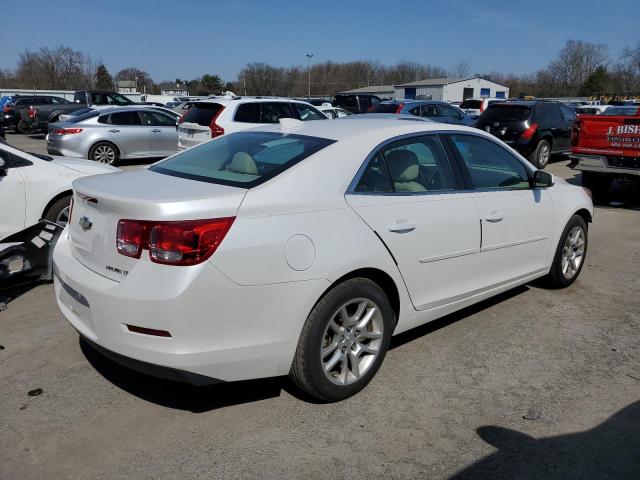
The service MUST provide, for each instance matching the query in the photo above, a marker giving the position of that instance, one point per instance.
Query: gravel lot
(449, 401)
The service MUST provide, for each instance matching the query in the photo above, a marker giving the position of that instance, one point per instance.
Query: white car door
(517, 220)
(407, 195)
(12, 195)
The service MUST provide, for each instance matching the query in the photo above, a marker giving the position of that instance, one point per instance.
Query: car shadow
(9, 294)
(608, 451)
(177, 395)
(427, 328)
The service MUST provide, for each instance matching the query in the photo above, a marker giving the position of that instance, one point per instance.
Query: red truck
(606, 147)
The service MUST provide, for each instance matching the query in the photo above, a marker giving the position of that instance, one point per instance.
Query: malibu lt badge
(85, 223)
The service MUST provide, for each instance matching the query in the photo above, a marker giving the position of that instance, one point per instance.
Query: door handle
(114, 130)
(494, 217)
(401, 226)
(156, 130)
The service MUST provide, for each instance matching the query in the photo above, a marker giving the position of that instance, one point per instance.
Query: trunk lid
(101, 201)
(192, 134)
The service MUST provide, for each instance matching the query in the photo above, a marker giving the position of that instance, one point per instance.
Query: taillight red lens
(528, 133)
(66, 131)
(400, 107)
(32, 112)
(132, 237)
(6, 108)
(216, 130)
(182, 118)
(186, 242)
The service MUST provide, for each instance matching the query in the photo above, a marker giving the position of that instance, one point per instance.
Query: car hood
(84, 166)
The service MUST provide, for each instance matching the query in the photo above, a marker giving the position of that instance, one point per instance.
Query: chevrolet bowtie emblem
(85, 223)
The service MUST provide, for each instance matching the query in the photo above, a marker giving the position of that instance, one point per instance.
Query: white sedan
(301, 248)
(37, 186)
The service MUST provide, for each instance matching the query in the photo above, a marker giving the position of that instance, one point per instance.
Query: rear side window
(248, 113)
(490, 165)
(125, 119)
(271, 112)
(505, 112)
(243, 159)
(202, 113)
(472, 104)
(384, 108)
(347, 101)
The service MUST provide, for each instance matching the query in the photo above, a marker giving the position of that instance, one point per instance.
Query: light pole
(309, 55)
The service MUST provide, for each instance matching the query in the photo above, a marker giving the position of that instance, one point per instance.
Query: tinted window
(202, 113)
(415, 111)
(472, 104)
(568, 114)
(271, 112)
(103, 119)
(376, 178)
(490, 165)
(307, 112)
(83, 116)
(348, 101)
(157, 119)
(248, 113)
(506, 112)
(429, 111)
(447, 111)
(553, 114)
(419, 165)
(385, 108)
(243, 159)
(57, 100)
(125, 119)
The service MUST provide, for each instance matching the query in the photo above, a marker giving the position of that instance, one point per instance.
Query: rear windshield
(625, 111)
(345, 101)
(202, 113)
(83, 116)
(504, 112)
(384, 108)
(243, 159)
(473, 104)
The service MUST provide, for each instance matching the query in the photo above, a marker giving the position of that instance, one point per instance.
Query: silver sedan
(113, 134)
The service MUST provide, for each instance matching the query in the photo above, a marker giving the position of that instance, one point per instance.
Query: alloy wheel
(63, 217)
(543, 157)
(104, 154)
(573, 252)
(352, 341)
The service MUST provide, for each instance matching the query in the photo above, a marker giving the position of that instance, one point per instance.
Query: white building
(127, 86)
(451, 89)
(382, 91)
(175, 89)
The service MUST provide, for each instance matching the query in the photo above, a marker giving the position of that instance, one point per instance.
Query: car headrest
(404, 165)
(242, 162)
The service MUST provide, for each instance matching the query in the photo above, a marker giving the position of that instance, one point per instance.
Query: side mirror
(3, 168)
(542, 179)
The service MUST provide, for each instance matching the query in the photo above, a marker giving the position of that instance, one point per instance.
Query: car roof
(411, 101)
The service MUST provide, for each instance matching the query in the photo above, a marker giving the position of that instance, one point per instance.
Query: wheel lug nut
(357, 332)
(344, 349)
(353, 346)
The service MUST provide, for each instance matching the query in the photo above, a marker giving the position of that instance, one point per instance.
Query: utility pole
(309, 56)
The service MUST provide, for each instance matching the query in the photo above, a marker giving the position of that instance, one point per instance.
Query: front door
(162, 133)
(129, 135)
(12, 197)
(516, 230)
(407, 196)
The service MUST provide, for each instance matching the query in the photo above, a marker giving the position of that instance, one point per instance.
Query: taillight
(528, 133)
(66, 131)
(182, 118)
(575, 132)
(400, 107)
(184, 242)
(216, 130)
(32, 112)
(6, 108)
(481, 106)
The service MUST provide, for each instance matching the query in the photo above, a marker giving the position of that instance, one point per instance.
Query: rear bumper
(600, 164)
(64, 146)
(219, 330)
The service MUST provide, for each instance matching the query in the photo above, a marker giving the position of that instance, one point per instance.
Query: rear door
(12, 196)
(126, 130)
(162, 131)
(407, 195)
(559, 127)
(448, 114)
(516, 219)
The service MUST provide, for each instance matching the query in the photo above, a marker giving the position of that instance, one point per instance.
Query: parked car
(37, 186)
(182, 107)
(591, 109)
(316, 102)
(114, 134)
(475, 106)
(355, 103)
(536, 128)
(212, 118)
(334, 112)
(432, 109)
(301, 248)
(12, 110)
(605, 147)
(103, 98)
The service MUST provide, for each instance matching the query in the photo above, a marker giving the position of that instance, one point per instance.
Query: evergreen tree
(103, 79)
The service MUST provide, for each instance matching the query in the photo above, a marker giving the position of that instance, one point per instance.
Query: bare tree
(576, 61)
(461, 68)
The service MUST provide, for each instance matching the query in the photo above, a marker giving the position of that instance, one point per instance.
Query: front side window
(490, 165)
(429, 111)
(307, 112)
(447, 111)
(157, 119)
(242, 159)
(125, 119)
(272, 112)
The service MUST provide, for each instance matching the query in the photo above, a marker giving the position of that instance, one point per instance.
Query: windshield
(243, 159)
(505, 112)
(472, 104)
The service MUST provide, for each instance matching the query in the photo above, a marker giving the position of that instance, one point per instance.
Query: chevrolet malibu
(301, 248)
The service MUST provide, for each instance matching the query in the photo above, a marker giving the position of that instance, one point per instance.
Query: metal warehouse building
(382, 91)
(451, 89)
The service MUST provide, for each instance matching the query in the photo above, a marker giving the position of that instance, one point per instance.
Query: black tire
(598, 183)
(23, 127)
(53, 212)
(307, 369)
(556, 278)
(98, 148)
(541, 155)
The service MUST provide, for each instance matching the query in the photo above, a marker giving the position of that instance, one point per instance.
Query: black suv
(11, 110)
(535, 128)
(355, 103)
